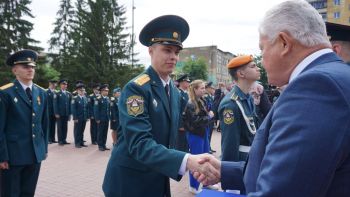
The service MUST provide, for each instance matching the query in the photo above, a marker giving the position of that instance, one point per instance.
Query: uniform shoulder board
(40, 87)
(142, 79)
(4, 87)
(234, 96)
(91, 95)
(99, 97)
(75, 96)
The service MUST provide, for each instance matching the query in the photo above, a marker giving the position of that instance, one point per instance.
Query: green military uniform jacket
(23, 125)
(234, 127)
(143, 158)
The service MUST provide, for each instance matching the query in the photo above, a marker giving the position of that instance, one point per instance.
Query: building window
(336, 14)
(336, 2)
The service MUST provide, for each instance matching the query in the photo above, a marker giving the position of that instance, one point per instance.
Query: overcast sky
(230, 24)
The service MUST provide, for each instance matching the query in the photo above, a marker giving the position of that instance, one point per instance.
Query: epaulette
(142, 79)
(234, 96)
(91, 94)
(4, 87)
(40, 87)
(75, 96)
(99, 97)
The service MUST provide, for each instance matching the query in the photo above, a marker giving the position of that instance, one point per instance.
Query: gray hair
(299, 19)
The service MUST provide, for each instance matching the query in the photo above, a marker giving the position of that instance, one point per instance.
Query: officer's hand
(57, 116)
(4, 165)
(98, 121)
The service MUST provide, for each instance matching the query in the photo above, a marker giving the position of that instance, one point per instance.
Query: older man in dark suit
(23, 127)
(303, 146)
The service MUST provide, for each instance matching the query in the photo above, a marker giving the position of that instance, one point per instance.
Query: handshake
(205, 168)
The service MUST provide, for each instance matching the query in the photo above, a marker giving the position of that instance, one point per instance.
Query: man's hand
(4, 165)
(202, 177)
(205, 167)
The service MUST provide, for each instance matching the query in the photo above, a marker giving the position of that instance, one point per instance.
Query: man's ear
(336, 48)
(285, 42)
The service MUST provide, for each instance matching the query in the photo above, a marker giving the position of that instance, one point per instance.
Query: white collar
(164, 82)
(303, 64)
(25, 86)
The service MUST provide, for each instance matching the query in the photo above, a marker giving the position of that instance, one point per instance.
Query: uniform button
(33, 135)
(33, 125)
(33, 114)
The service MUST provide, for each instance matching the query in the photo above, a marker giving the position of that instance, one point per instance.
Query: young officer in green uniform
(61, 107)
(93, 124)
(237, 115)
(181, 141)
(115, 114)
(102, 116)
(149, 109)
(23, 127)
(51, 91)
(79, 108)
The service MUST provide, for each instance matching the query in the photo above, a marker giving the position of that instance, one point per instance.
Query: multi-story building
(335, 11)
(215, 58)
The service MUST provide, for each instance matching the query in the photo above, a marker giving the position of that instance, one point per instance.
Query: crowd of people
(297, 145)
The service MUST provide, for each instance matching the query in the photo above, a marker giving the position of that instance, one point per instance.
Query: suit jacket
(50, 96)
(234, 128)
(23, 125)
(61, 103)
(142, 160)
(114, 113)
(102, 109)
(303, 146)
(79, 108)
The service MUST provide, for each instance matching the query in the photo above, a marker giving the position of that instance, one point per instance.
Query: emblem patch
(135, 105)
(228, 116)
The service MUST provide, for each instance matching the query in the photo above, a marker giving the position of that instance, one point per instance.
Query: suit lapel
(22, 94)
(158, 88)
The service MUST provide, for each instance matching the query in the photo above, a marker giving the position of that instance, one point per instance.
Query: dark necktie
(167, 90)
(29, 93)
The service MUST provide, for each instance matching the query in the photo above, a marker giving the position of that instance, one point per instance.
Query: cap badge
(175, 35)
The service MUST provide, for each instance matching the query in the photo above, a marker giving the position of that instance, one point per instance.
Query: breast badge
(135, 105)
(228, 116)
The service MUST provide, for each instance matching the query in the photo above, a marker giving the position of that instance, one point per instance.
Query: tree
(61, 39)
(197, 69)
(14, 32)
(263, 74)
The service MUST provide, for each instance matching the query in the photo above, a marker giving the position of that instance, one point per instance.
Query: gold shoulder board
(4, 87)
(40, 87)
(142, 79)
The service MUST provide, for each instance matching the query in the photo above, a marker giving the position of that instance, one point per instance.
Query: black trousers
(79, 128)
(93, 130)
(20, 181)
(102, 134)
(52, 123)
(62, 123)
(181, 142)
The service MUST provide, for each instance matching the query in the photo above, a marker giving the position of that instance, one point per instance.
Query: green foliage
(14, 33)
(197, 69)
(263, 74)
(96, 48)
